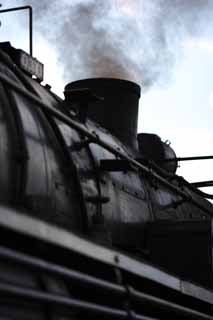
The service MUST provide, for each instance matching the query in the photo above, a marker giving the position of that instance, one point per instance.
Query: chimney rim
(106, 82)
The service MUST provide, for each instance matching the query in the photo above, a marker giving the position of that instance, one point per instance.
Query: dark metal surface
(67, 290)
(78, 100)
(168, 306)
(8, 151)
(118, 110)
(191, 158)
(183, 247)
(125, 190)
(152, 148)
(112, 204)
(202, 184)
(65, 273)
(116, 165)
(80, 128)
(37, 164)
(60, 301)
(41, 231)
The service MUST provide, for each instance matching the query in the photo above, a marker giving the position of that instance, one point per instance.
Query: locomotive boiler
(92, 211)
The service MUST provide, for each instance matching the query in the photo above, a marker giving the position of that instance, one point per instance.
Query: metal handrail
(202, 184)
(188, 158)
(30, 23)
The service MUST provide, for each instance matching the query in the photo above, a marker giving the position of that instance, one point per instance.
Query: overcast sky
(177, 107)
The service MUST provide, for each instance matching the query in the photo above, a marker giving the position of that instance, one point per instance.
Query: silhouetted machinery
(94, 221)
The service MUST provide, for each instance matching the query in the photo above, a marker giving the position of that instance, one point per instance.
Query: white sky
(180, 110)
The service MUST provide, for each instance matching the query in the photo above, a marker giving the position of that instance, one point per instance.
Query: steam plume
(137, 40)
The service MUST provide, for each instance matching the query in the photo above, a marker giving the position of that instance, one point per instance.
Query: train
(94, 219)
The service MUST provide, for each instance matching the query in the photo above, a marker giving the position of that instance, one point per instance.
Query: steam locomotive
(94, 221)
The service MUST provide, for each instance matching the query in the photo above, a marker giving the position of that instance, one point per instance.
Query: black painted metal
(152, 148)
(97, 199)
(183, 247)
(91, 135)
(190, 158)
(42, 187)
(202, 184)
(181, 181)
(115, 165)
(65, 273)
(118, 110)
(7, 55)
(78, 100)
(57, 300)
(63, 176)
(166, 305)
(18, 151)
(132, 297)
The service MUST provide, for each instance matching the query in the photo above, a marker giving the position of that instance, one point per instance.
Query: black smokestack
(137, 40)
(117, 111)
